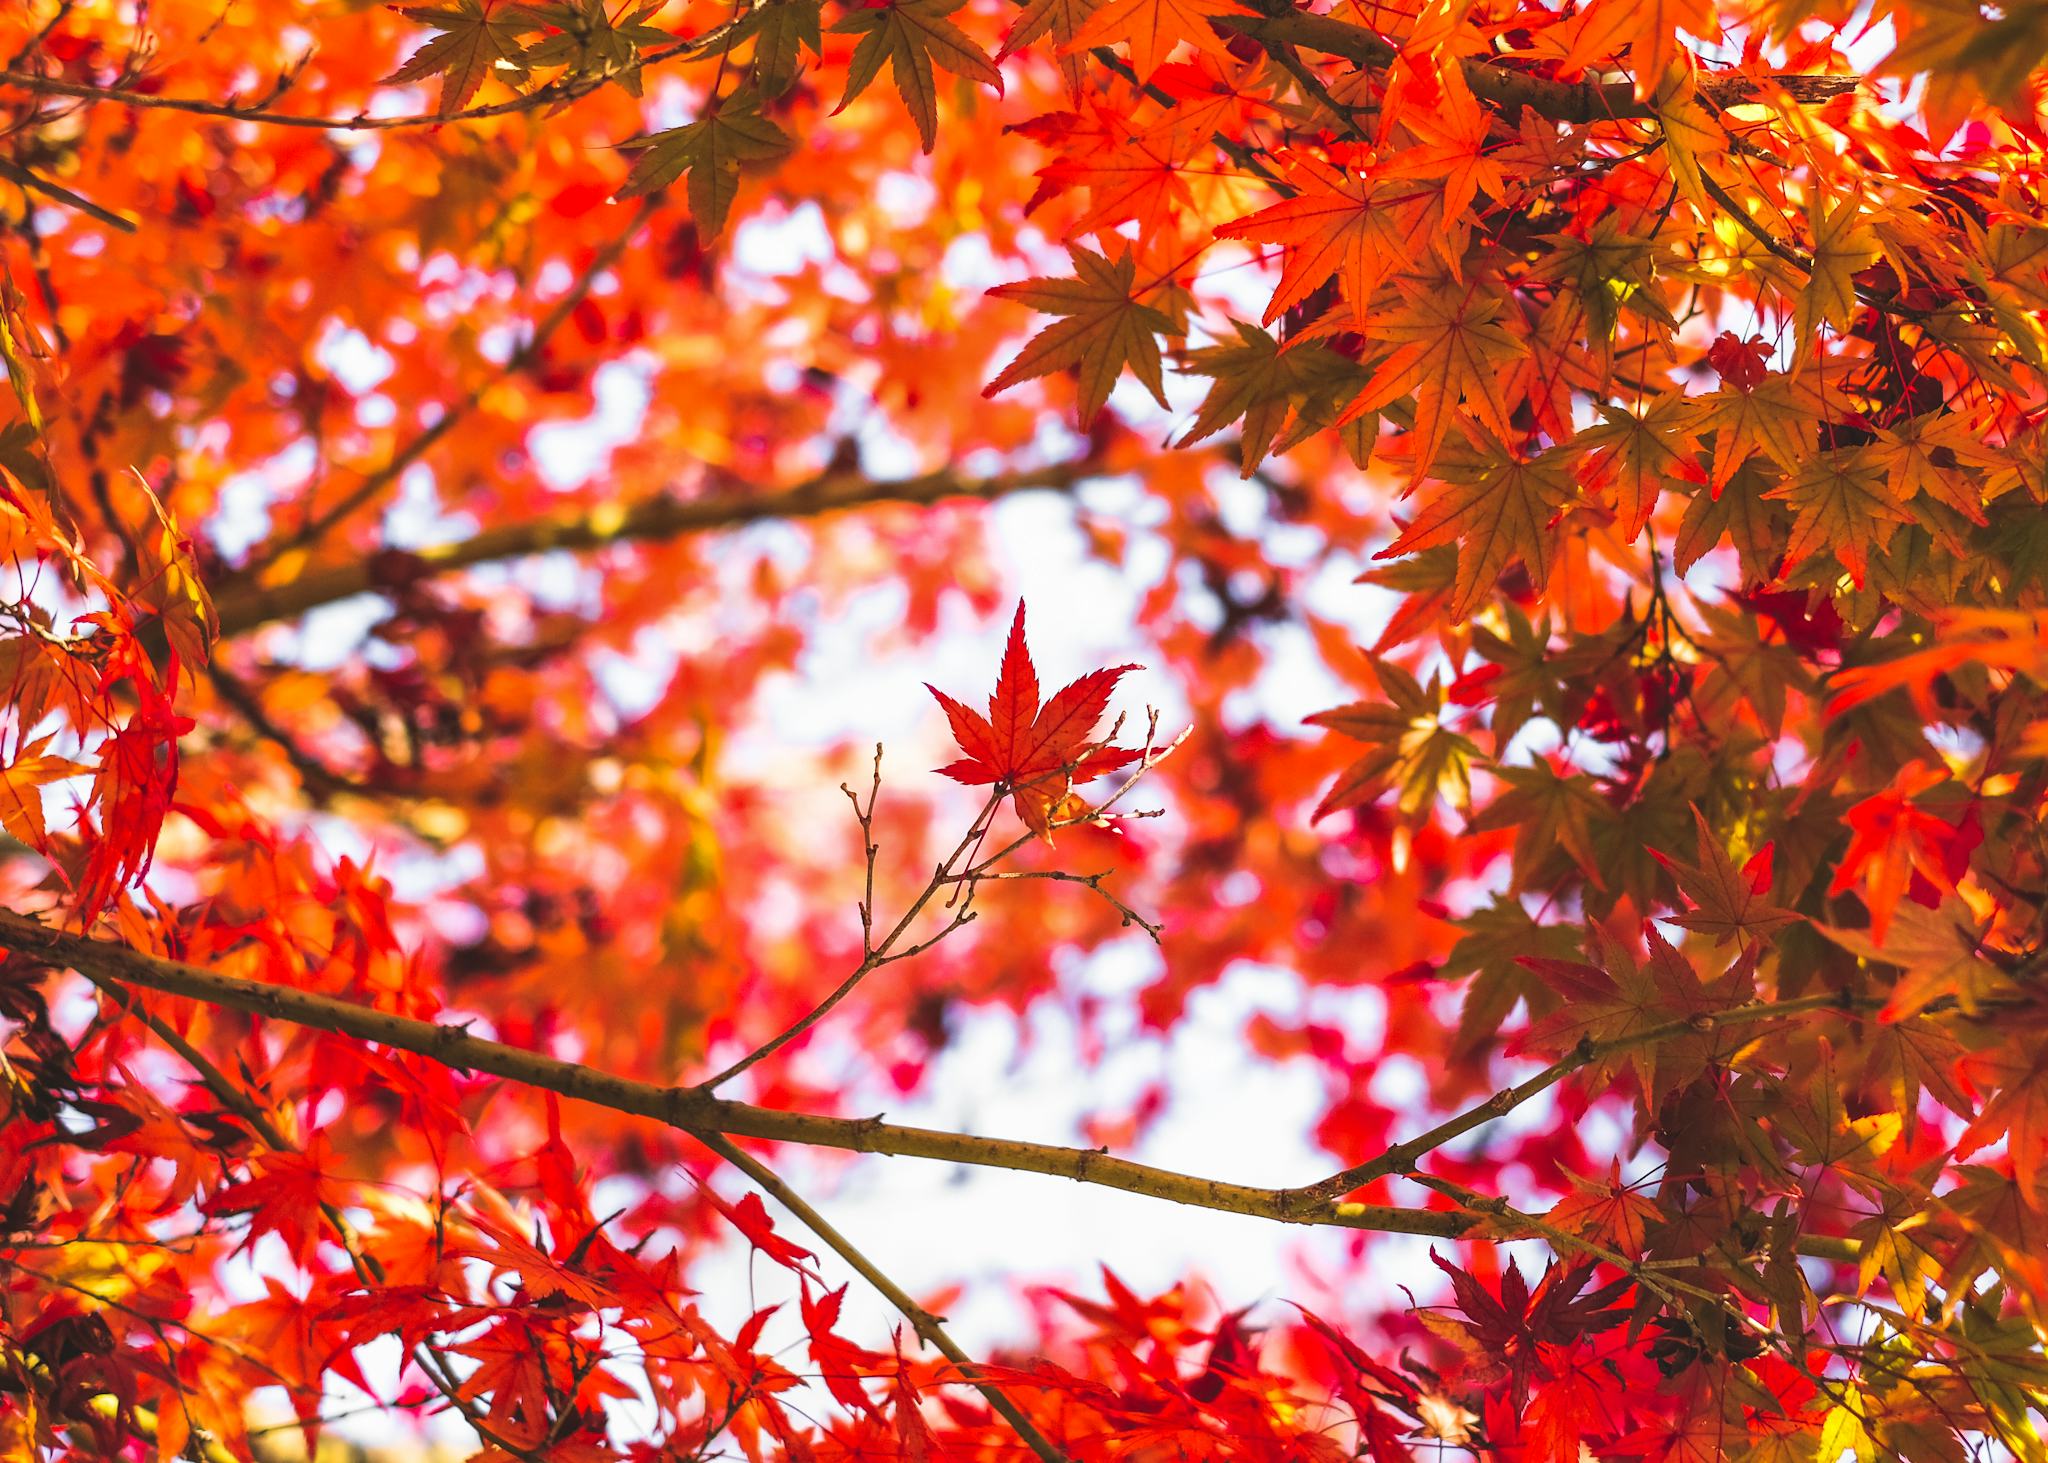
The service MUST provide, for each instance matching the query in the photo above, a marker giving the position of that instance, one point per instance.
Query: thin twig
(921, 1320)
(877, 955)
(1402, 1157)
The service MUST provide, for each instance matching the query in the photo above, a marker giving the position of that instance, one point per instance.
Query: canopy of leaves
(477, 479)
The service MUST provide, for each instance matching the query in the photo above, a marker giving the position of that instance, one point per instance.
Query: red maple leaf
(1037, 752)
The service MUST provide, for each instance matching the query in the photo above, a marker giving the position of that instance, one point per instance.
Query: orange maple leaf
(1153, 28)
(1339, 224)
(1105, 329)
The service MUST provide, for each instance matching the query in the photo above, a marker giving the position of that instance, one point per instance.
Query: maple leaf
(285, 1194)
(1649, 30)
(1689, 133)
(1892, 839)
(1064, 19)
(712, 150)
(1448, 342)
(1615, 1001)
(1940, 953)
(1728, 903)
(1491, 943)
(1130, 179)
(1739, 513)
(1258, 384)
(1336, 226)
(1747, 420)
(21, 783)
(1153, 28)
(1547, 811)
(2017, 1109)
(1843, 246)
(1824, 1134)
(912, 36)
(1509, 1330)
(1637, 453)
(1497, 508)
(781, 32)
(1610, 1213)
(1927, 455)
(476, 42)
(750, 1217)
(1842, 503)
(1036, 751)
(842, 1363)
(1412, 752)
(586, 39)
(1105, 329)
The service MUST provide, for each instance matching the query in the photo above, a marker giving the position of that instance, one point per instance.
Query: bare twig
(884, 952)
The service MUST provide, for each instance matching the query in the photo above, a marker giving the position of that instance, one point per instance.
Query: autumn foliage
(1573, 472)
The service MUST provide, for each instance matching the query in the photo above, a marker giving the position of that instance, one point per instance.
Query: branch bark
(697, 1113)
(1561, 101)
(245, 607)
(558, 92)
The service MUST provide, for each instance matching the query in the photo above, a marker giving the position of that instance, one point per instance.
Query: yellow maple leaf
(1843, 246)
(21, 797)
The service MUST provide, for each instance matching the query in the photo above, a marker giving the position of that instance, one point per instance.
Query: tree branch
(1402, 1157)
(243, 607)
(30, 182)
(696, 1113)
(558, 92)
(1561, 101)
(923, 1321)
(366, 491)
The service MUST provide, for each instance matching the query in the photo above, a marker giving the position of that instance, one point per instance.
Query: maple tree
(437, 438)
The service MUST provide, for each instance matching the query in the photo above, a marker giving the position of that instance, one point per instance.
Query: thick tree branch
(559, 92)
(1492, 82)
(244, 607)
(697, 1113)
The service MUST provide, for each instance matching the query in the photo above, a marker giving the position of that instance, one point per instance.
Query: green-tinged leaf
(1547, 812)
(1259, 382)
(1497, 508)
(782, 32)
(474, 44)
(712, 150)
(913, 36)
(1411, 752)
(1105, 329)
